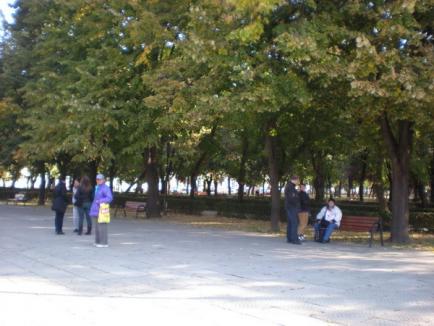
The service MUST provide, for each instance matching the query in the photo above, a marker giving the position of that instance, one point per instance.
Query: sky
(6, 13)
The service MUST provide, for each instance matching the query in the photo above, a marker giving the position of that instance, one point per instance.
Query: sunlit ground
(423, 241)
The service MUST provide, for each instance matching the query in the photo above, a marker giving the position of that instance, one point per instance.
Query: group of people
(86, 204)
(298, 209)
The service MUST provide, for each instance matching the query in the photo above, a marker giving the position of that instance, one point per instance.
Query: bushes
(422, 220)
(253, 208)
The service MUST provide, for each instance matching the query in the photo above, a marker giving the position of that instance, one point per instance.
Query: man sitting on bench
(327, 220)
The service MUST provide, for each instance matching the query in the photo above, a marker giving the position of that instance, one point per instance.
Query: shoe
(296, 242)
(325, 241)
(89, 231)
(60, 233)
(101, 245)
(302, 238)
(75, 231)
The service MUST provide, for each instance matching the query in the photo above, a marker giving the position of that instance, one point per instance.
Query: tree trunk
(112, 173)
(164, 185)
(208, 183)
(432, 181)
(319, 178)
(339, 189)
(41, 197)
(140, 177)
(422, 195)
(199, 163)
(242, 171)
(362, 177)
(271, 149)
(216, 184)
(399, 148)
(350, 186)
(152, 202)
(378, 186)
(229, 186)
(93, 171)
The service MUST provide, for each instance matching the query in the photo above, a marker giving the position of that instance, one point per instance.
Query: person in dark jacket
(303, 214)
(83, 201)
(292, 207)
(60, 202)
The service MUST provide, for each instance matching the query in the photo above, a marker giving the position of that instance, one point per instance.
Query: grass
(420, 241)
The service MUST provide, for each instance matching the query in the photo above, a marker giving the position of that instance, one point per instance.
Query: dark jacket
(292, 199)
(82, 196)
(304, 202)
(60, 198)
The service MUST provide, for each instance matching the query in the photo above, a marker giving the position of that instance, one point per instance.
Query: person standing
(60, 202)
(83, 201)
(292, 207)
(303, 215)
(103, 195)
(75, 215)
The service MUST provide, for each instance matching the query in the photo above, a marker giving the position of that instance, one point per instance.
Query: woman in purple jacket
(103, 194)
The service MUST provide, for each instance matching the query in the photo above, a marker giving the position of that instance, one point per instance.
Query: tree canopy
(255, 90)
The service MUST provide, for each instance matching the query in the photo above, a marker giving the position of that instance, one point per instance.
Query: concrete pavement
(161, 273)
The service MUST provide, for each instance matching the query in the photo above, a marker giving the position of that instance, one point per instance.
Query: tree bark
(378, 186)
(198, 164)
(41, 196)
(93, 171)
(422, 195)
(362, 177)
(208, 182)
(271, 149)
(229, 186)
(319, 178)
(432, 180)
(216, 184)
(140, 177)
(152, 203)
(399, 148)
(112, 173)
(350, 186)
(242, 171)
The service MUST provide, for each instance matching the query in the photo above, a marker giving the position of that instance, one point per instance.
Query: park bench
(18, 198)
(133, 206)
(364, 224)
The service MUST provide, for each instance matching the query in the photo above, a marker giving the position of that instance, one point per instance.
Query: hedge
(253, 208)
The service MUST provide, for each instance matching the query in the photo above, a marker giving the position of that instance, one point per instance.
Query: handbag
(104, 213)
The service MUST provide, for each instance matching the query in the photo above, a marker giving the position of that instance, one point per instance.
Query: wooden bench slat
(367, 224)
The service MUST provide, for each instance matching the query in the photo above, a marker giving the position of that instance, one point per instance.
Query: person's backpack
(323, 224)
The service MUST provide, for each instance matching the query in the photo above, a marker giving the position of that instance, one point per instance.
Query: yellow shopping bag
(104, 213)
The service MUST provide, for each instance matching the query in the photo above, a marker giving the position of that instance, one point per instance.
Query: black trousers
(291, 230)
(58, 221)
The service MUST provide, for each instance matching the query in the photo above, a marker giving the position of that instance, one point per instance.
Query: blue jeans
(328, 232)
(84, 212)
(291, 230)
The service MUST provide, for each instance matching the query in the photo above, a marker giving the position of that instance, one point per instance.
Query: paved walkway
(159, 273)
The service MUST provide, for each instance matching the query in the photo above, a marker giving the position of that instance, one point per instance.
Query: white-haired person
(103, 195)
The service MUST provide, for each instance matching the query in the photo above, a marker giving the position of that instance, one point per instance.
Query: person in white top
(329, 217)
